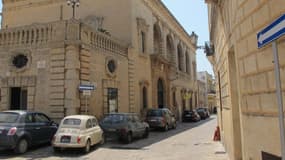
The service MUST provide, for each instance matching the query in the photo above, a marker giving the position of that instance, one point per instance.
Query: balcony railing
(62, 31)
(27, 35)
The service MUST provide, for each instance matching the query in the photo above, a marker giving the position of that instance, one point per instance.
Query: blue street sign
(275, 30)
(86, 87)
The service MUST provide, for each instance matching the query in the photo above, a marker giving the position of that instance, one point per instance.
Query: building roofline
(178, 24)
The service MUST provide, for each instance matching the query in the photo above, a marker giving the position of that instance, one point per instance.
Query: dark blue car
(21, 129)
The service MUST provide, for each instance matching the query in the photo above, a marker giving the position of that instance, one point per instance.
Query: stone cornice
(157, 6)
(38, 3)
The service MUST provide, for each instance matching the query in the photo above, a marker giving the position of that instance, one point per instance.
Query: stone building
(209, 91)
(246, 92)
(134, 51)
(201, 93)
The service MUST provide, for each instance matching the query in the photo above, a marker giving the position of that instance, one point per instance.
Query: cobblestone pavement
(188, 141)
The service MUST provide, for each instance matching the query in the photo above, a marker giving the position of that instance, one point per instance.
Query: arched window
(174, 99)
(144, 97)
(180, 58)
(157, 40)
(170, 49)
(187, 63)
(143, 44)
(160, 93)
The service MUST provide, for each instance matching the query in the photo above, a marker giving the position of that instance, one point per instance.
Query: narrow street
(187, 141)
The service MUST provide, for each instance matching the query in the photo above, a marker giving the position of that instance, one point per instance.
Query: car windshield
(7, 117)
(114, 118)
(200, 109)
(72, 121)
(154, 113)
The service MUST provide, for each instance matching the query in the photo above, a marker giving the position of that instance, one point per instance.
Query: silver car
(161, 118)
(124, 126)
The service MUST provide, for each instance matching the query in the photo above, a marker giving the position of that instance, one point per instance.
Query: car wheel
(129, 138)
(102, 140)
(146, 133)
(87, 147)
(56, 149)
(166, 127)
(22, 146)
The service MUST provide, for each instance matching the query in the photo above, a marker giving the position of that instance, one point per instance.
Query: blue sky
(193, 16)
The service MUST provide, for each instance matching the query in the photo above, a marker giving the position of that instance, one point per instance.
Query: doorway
(160, 93)
(18, 98)
(112, 100)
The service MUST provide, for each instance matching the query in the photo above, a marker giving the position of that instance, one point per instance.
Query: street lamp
(73, 4)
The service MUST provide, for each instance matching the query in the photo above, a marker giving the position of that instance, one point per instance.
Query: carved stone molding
(94, 22)
(111, 67)
(142, 25)
(144, 83)
(15, 54)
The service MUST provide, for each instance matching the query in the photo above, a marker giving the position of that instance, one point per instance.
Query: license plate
(65, 139)
(153, 120)
(188, 115)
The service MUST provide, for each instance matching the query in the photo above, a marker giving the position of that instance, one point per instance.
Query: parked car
(191, 116)
(78, 131)
(21, 129)
(203, 112)
(161, 118)
(124, 126)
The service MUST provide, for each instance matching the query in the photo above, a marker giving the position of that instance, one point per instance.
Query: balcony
(60, 32)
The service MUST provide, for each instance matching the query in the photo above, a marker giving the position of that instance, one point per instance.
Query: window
(111, 66)
(144, 98)
(113, 100)
(115, 118)
(180, 58)
(40, 118)
(94, 122)
(20, 61)
(143, 46)
(187, 63)
(89, 124)
(8, 117)
(174, 99)
(29, 118)
(72, 121)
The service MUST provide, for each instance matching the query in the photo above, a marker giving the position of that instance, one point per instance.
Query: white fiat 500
(78, 131)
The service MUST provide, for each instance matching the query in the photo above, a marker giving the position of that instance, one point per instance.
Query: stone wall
(248, 112)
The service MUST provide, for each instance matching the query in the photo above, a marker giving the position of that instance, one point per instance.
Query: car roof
(83, 117)
(20, 111)
(121, 114)
(158, 109)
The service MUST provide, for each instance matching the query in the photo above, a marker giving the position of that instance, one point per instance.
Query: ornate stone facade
(139, 71)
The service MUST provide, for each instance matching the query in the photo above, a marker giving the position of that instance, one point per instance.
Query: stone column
(72, 81)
